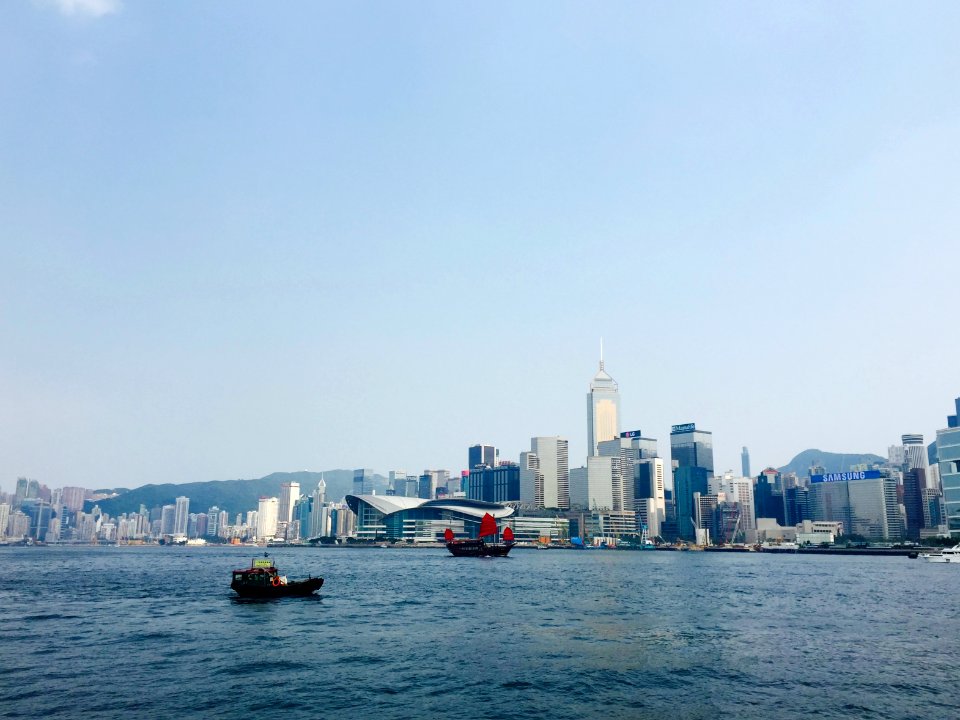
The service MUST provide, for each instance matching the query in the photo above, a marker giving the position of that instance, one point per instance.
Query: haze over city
(237, 239)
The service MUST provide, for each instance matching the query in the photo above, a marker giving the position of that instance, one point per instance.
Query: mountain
(831, 462)
(234, 496)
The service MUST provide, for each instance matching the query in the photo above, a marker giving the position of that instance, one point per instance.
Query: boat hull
(478, 548)
(298, 588)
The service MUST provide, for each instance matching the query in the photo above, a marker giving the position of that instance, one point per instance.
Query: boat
(479, 547)
(263, 580)
(947, 555)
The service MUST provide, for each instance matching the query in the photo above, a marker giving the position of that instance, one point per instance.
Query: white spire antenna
(601, 353)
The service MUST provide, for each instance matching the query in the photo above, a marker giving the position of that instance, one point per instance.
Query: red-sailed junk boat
(479, 547)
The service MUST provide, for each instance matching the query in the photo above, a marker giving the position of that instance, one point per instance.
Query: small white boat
(947, 555)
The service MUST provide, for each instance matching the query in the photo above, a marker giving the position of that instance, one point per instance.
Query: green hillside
(234, 496)
(831, 462)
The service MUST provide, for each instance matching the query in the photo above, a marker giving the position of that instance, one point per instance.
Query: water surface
(155, 632)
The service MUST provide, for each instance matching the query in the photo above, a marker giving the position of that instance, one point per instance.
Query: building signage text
(845, 476)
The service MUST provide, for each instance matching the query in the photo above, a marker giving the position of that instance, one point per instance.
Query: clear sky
(242, 237)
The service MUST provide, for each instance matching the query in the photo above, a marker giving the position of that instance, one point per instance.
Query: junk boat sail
(263, 580)
(479, 547)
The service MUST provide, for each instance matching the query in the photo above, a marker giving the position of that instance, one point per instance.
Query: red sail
(488, 526)
(508, 535)
(448, 534)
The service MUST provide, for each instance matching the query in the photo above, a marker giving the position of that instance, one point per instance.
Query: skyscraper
(553, 466)
(691, 447)
(363, 481)
(915, 454)
(631, 448)
(745, 462)
(181, 515)
(495, 484)
(531, 480)
(289, 494)
(267, 513)
(481, 455)
(598, 486)
(691, 451)
(948, 458)
(603, 409)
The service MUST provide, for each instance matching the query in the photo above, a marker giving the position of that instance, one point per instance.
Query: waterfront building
(609, 526)
(384, 517)
(688, 480)
(948, 462)
(480, 455)
(73, 497)
(631, 447)
(289, 494)
(603, 409)
(704, 507)
(181, 515)
(302, 521)
(817, 532)
(768, 496)
(200, 524)
(690, 447)
(4, 518)
(598, 486)
(535, 528)
(914, 484)
(865, 502)
(363, 481)
(796, 505)
(498, 484)
(691, 452)
(531, 480)
(745, 462)
(320, 494)
(213, 521)
(554, 470)
(267, 517)
(18, 526)
(649, 495)
(168, 515)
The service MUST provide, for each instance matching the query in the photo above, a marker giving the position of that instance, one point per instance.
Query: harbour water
(154, 632)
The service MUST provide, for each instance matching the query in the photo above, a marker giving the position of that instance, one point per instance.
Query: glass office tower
(948, 456)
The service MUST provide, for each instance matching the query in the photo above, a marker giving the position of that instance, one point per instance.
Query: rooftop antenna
(601, 353)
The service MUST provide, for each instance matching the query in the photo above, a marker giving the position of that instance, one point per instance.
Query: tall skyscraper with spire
(603, 409)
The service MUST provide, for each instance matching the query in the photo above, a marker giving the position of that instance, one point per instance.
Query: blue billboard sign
(686, 427)
(631, 434)
(845, 476)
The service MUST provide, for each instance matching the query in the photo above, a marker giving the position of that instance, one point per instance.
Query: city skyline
(269, 248)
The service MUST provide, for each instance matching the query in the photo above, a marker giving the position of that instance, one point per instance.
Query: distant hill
(831, 462)
(234, 496)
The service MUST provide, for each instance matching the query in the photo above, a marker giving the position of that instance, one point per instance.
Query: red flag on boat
(508, 535)
(448, 535)
(488, 526)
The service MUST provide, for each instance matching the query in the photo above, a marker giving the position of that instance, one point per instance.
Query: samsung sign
(631, 434)
(845, 476)
(686, 427)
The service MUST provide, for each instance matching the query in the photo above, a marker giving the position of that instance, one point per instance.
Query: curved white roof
(389, 504)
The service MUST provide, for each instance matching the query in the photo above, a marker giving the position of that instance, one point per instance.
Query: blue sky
(238, 238)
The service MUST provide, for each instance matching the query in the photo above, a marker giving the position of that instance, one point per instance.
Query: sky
(239, 238)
